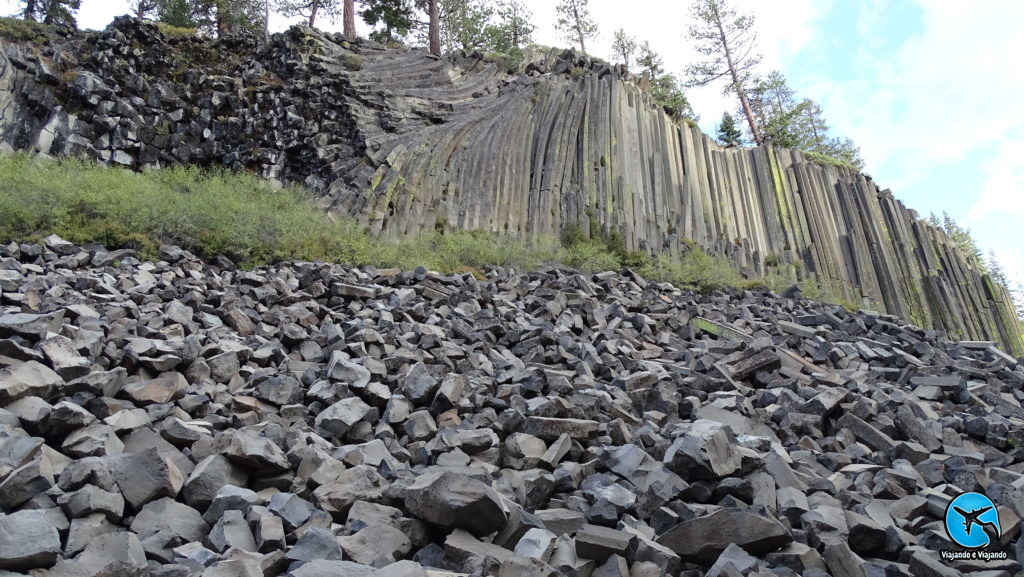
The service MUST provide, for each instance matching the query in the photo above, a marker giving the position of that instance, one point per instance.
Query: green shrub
(510, 62)
(826, 159)
(591, 256)
(352, 62)
(577, 72)
(573, 234)
(212, 212)
(208, 212)
(18, 30)
(170, 31)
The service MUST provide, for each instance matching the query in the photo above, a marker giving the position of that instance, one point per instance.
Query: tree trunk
(314, 7)
(435, 29)
(579, 28)
(30, 10)
(515, 26)
(266, 21)
(349, 18)
(223, 24)
(737, 86)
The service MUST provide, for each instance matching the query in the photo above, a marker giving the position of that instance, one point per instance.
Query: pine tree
(649, 60)
(575, 22)
(392, 19)
(513, 28)
(624, 47)
(665, 89)
(465, 25)
(995, 270)
(668, 92)
(53, 12)
(963, 240)
(225, 17)
(776, 110)
(844, 150)
(177, 13)
(727, 39)
(144, 8)
(728, 133)
(1018, 300)
(311, 10)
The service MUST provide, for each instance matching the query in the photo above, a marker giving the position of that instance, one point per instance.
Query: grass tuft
(18, 30)
(170, 31)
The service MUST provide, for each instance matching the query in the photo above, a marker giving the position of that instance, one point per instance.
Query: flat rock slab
(28, 540)
(451, 500)
(600, 543)
(704, 538)
(550, 429)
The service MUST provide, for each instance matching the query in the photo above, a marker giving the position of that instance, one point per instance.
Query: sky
(929, 89)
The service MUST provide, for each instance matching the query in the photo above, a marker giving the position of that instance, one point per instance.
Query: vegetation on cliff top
(254, 222)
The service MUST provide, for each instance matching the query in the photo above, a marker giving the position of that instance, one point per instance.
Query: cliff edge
(407, 142)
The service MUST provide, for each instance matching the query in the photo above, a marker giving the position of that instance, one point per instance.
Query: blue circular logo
(972, 521)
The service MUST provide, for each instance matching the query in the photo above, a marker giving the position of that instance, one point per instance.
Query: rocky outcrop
(407, 142)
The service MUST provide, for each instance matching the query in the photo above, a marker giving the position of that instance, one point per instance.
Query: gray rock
(360, 483)
(327, 568)
(419, 386)
(118, 553)
(599, 543)
(254, 453)
(452, 500)
(420, 426)
(163, 524)
(550, 429)
(346, 371)
(231, 530)
(342, 416)
(209, 476)
(146, 475)
(28, 379)
(704, 538)
(30, 326)
(25, 482)
(292, 509)
(84, 529)
(464, 552)
(91, 499)
(165, 388)
(403, 569)
(28, 541)
(378, 545)
(315, 543)
(63, 357)
(536, 544)
(230, 498)
(733, 560)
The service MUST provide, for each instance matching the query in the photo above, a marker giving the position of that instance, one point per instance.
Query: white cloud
(1003, 189)
(940, 96)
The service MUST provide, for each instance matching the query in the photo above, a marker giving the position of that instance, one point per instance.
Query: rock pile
(183, 418)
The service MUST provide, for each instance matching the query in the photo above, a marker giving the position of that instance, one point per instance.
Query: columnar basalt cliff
(407, 143)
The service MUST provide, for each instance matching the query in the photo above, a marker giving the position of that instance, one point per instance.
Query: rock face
(408, 143)
(639, 430)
